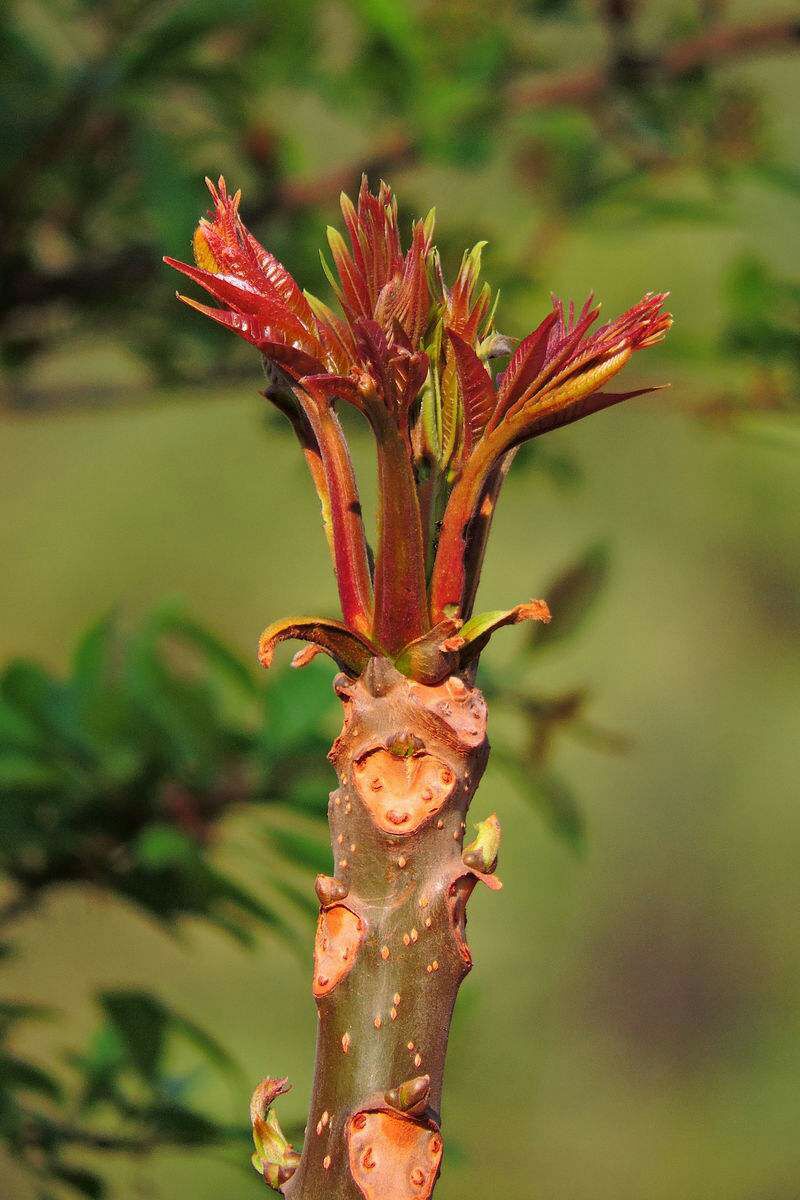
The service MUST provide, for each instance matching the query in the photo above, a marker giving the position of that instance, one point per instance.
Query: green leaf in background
(17, 1075)
(557, 802)
(100, 1066)
(571, 597)
(763, 313)
(210, 1048)
(302, 848)
(17, 729)
(144, 1024)
(141, 1022)
(84, 1182)
(297, 703)
(21, 773)
(91, 661)
(183, 1126)
(162, 845)
(302, 897)
(172, 619)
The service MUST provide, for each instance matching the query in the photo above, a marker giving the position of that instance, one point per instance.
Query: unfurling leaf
(349, 650)
(432, 657)
(274, 1157)
(482, 852)
(478, 630)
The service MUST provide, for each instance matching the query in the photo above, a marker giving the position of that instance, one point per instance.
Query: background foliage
(161, 804)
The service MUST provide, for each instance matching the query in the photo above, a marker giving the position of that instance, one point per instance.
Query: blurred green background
(630, 1031)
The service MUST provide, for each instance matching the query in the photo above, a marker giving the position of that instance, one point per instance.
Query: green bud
(482, 853)
(274, 1157)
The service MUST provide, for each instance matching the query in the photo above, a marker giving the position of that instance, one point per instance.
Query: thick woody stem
(390, 952)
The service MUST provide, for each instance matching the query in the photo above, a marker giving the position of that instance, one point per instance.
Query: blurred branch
(554, 89)
(17, 906)
(394, 150)
(584, 88)
(43, 1131)
(708, 49)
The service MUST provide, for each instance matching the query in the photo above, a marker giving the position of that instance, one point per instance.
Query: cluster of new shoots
(448, 398)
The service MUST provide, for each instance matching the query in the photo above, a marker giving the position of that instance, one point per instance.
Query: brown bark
(390, 952)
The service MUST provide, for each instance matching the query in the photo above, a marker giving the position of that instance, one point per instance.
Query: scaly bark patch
(392, 1158)
(339, 935)
(401, 793)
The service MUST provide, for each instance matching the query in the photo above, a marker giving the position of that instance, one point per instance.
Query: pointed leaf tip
(479, 629)
(303, 657)
(265, 1096)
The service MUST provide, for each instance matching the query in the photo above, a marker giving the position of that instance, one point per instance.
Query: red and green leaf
(476, 633)
(350, 651)
(432, 657)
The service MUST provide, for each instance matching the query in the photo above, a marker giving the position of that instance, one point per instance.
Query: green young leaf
(161, 845)
(556, 802)
(432, 657)
(18, 1075)
(475, 634)
(22, 773)
(482, 852)
(349, 650)
(141, 1021)
(86, 1183)
(303, 849)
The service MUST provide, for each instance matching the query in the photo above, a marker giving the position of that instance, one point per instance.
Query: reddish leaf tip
(535, 610)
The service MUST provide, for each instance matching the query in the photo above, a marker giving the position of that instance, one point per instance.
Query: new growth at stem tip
(448, 400)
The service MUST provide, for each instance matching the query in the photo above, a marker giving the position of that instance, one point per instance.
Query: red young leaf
(252, 331)
(295, 362)
(281, 281)
(477, 390)
(526, 363)
(558, 415)
(244, 299)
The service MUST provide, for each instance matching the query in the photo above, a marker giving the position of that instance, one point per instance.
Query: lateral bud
(274, 1157)
(410, 1097)
(329, 890)
(481, 854)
